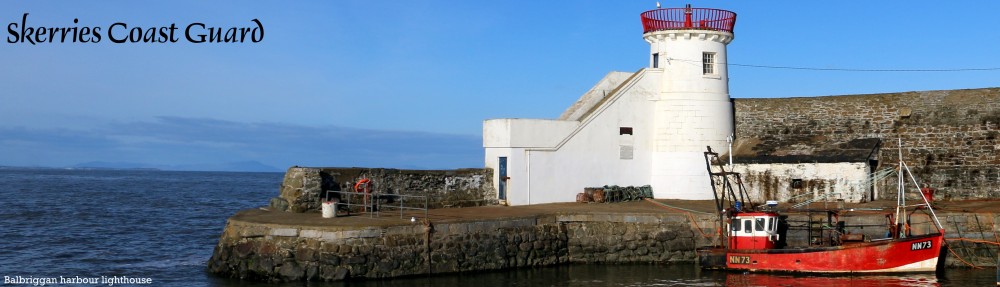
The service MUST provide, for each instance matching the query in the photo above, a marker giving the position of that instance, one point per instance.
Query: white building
(648, 127)
(799, 171)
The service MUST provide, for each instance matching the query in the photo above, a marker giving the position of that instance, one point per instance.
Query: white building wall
(553, 160)
(526, 133)
(509, 138)
(593, 155)
(846, 180)
(516, 170)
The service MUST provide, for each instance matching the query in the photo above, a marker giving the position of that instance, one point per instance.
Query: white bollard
(329, 209)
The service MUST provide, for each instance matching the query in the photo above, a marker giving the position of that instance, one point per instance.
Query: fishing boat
(753, 237)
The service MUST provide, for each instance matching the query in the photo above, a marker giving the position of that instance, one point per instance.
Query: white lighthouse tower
(692, 108)
(648, 127)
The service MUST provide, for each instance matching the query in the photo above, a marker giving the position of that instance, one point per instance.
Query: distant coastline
(248, 166)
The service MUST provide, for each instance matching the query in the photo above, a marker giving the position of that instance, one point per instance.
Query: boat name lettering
(920, 245)
(739, 259)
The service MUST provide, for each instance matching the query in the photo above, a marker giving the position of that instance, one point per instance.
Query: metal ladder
(811, 200)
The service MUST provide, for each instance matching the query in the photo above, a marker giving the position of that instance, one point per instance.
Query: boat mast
(719, 199)
(900, 198)
(739, 200)
(926, 203)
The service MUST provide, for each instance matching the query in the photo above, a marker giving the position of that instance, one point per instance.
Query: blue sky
(408, 83)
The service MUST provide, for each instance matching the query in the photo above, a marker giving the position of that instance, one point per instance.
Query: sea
(69, 227)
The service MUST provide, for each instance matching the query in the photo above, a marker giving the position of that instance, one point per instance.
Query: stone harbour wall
(672, 239)
(303, 187)
(280, 254)
(951, 138)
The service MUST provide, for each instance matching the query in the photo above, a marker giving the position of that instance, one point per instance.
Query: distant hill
(113, 165)
(241, 166)
(244, 166)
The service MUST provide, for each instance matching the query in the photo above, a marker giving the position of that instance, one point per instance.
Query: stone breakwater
(281, 253)
(303, 188)
(275, 246)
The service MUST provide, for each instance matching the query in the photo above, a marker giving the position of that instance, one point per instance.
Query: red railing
(688, 18)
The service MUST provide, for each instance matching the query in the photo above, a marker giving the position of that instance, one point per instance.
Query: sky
(407, 84)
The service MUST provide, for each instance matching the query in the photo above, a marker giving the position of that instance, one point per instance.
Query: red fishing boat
(752, 238)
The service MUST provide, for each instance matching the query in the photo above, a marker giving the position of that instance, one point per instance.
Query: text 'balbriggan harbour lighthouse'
(650, 127)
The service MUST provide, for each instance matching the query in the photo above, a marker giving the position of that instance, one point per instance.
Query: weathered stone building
(949, 138)
(800, 172)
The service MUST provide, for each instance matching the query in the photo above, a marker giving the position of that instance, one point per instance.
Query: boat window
(770, 223)
(735, 224)
(760, 224)
(747, 226)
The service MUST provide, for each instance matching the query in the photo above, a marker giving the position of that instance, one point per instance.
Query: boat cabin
(753, 230)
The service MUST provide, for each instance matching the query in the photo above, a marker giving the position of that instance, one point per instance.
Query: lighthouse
(648, 127)
(692, 109)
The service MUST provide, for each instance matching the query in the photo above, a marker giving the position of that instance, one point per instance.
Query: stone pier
(276, 246)
(280, 246)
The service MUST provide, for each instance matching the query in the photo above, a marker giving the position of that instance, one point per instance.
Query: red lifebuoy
(363, 185)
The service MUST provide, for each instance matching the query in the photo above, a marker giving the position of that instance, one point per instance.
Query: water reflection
(749, 280)
(648, 275)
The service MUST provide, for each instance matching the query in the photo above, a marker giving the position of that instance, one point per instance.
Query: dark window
(708, 63)
(625, 131)
(760, 224)
(747, 226)
(735, 224)
(797, 183)
(656, 60)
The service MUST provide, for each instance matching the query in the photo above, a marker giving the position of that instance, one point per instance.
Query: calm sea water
(164, 225)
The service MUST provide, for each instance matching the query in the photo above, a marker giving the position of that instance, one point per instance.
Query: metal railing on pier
(372, 203)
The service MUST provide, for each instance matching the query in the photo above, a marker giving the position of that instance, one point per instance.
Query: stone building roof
(805, 150)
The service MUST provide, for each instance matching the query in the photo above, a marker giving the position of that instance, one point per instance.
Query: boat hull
(914, 254)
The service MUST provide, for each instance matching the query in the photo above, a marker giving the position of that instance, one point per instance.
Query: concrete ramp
(594, 96)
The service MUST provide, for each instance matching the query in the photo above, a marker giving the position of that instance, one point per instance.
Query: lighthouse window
(656, 60)
(708, 63)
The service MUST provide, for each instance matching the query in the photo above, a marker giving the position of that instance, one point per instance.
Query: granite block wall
(303, 188)
(951, 138)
